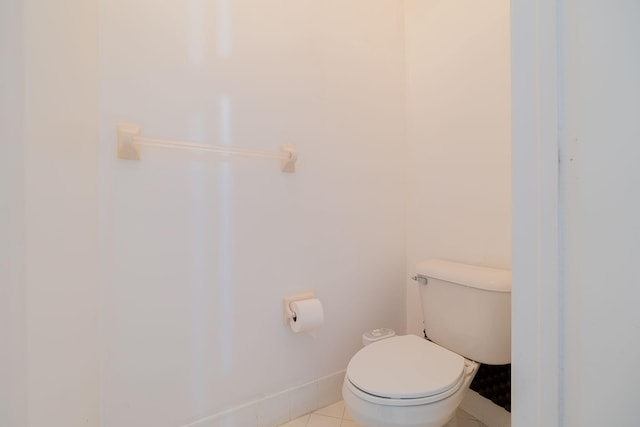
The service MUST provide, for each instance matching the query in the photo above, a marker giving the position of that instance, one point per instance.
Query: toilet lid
(405, 367)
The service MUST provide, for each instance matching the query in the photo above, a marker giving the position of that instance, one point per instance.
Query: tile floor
(330, 416)
(336, 415)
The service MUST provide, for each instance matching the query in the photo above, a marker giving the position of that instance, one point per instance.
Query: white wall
(61, 215)
(458, 133)
(600, 73)
(48, 245)
(199, 250)
(575, 114)
(13, 343)
(536, 389)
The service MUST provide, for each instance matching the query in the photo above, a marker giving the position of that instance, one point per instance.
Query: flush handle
(420, 279)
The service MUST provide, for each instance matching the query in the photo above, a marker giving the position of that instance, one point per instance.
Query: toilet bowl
(406, 381)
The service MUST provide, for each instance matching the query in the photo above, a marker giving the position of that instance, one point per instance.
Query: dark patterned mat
(494, 383)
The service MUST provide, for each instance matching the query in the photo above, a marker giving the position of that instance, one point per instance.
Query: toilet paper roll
(308, 315)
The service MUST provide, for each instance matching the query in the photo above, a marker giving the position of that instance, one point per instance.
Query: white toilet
(408, 381)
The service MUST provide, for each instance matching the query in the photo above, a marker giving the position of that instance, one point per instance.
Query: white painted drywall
(535, 389)
(458, 134)
(61, 212)
(199, 250)
(595, 84)
(600, 72)
(13, 342)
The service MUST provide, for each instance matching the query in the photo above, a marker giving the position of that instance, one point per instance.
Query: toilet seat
(405, 370)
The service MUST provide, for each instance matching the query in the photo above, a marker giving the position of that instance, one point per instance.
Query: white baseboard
(485, 410)
(278, 408)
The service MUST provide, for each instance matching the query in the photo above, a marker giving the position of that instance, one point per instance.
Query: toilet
(409, 381)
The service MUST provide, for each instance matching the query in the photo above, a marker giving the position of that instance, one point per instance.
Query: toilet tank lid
(487, 278)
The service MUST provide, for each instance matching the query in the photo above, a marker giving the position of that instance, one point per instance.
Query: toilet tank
(467, 309)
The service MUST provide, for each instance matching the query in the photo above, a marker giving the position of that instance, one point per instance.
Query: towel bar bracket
(127, 149)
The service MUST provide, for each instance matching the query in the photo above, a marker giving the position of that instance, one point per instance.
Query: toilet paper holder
(288, 313)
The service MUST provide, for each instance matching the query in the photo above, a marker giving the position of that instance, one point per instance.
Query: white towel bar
(129, 142)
